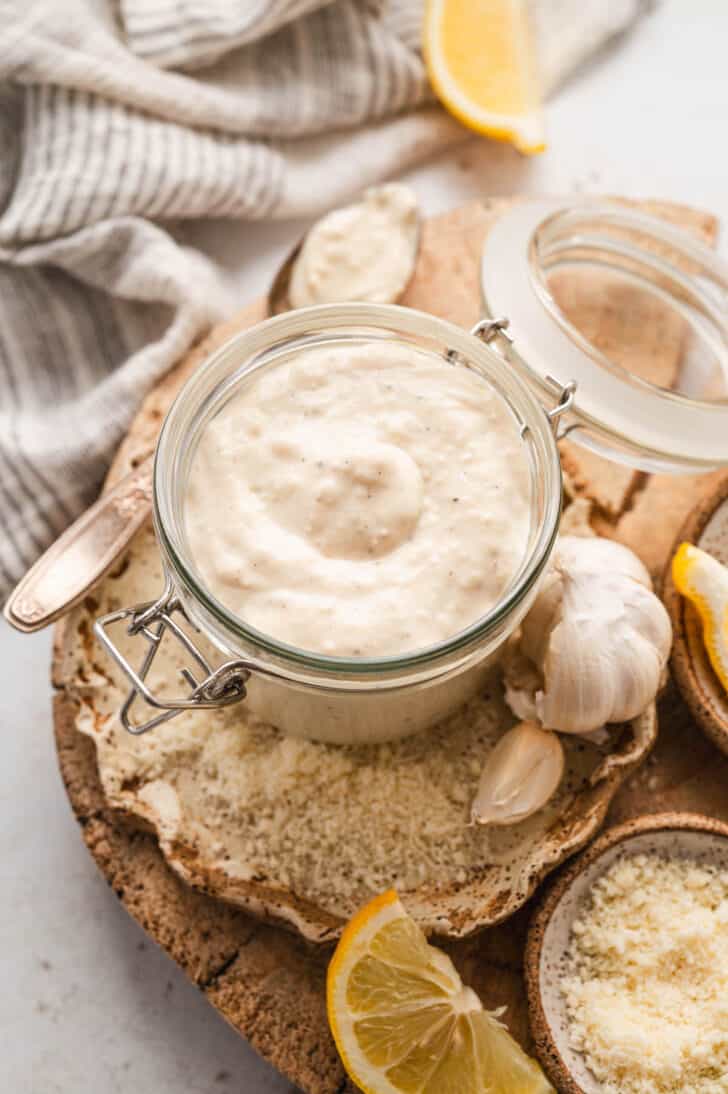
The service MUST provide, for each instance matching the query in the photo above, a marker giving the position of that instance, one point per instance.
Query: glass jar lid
(630, 310)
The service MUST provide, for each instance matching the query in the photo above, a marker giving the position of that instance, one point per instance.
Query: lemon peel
(404, 1022)
(704, 582)
(482, 65)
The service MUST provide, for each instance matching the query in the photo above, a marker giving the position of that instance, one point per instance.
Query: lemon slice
(482, 66)
(704, 581)
(403, 1021)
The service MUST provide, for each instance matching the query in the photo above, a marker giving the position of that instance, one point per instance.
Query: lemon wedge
(704, 582)
(482, 66)
(403, 1021)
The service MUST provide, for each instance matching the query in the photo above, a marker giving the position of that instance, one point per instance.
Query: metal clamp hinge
(219, 687)
(564, 402)
(488, 329)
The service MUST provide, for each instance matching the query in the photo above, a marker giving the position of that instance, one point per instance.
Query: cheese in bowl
(370, 499)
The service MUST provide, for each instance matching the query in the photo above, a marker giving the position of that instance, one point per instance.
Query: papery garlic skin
(594, 646)
(520, 775)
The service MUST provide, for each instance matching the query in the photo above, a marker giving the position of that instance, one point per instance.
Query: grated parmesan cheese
(333, 824)
(646, 989)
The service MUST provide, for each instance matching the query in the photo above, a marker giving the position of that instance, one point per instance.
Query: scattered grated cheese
(647, 978)
(333, 824)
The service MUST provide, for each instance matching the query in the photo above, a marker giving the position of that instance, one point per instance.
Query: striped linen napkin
(120, 117)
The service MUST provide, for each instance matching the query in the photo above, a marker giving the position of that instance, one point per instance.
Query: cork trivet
(265, 981)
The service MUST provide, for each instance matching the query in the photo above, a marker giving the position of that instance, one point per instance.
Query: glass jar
(355, 700)
(335, 699)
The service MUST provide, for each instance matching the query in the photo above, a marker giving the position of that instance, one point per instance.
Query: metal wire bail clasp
(564, 402)
(487, 330)
(219, 687)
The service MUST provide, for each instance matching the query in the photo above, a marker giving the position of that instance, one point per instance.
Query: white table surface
(89, 1005)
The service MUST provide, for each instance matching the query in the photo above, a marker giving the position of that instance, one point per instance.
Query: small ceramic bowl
(706, 527)
(673, 834)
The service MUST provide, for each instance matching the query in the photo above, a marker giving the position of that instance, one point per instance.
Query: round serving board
(268, 982)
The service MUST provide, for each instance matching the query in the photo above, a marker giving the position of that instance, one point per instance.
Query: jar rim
(616, 413)
(239, 356)
(570, 227)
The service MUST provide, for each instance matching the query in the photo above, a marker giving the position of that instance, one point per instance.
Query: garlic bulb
(594, 646)
(520, 775)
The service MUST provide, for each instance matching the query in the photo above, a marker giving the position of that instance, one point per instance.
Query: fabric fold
(190, 34)
(119, 119)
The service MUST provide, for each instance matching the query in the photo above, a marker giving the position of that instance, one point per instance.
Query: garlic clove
(520, 775)
(594, 645)
(522, 682)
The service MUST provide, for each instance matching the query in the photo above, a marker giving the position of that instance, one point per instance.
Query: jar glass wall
(352, 699)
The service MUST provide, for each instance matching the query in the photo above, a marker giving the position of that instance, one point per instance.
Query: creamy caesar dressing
(364, 252)
(360, 499)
